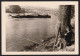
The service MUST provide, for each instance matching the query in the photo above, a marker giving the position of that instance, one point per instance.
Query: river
(21, 32)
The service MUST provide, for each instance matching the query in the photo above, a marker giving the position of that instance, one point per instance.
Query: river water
(21, 32)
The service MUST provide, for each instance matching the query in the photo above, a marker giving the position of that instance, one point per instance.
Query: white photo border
(3, 37)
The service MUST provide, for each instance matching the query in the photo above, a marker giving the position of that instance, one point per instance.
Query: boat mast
(24, 12)
(18, 13)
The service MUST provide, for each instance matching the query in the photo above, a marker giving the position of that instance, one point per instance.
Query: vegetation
(13, 9)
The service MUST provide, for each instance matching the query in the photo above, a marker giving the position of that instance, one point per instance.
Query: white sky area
(41, 4)
(53, 5)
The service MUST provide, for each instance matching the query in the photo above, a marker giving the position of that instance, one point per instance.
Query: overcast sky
(41, 4)
(35, 4)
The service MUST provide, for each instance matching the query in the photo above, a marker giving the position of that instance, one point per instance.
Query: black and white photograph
(44, 27)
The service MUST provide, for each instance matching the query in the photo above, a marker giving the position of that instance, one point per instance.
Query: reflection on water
(20, 31)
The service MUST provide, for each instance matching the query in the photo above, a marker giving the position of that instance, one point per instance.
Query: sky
(41, 4)
(35, 4)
